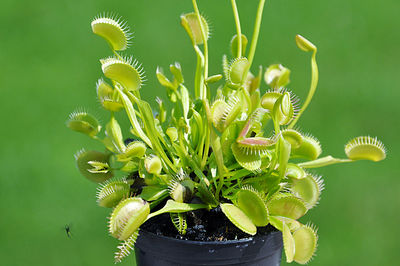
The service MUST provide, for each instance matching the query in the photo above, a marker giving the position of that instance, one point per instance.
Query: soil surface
(202, 225)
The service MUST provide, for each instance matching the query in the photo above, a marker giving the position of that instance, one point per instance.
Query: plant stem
(238, 29)
(203, 90)
(199, 78)
(256, 32)
(324, 161)
(313, 87)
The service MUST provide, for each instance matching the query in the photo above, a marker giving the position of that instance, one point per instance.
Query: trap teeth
(114, 31)
(365, 148)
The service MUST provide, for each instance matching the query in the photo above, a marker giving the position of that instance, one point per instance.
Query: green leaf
(153, 165)
(234, 45)
(218, 109)
(126, 72)
(308, 189)
(293, 171)
(365, 148)
(176, 70)
(190, 23)
(309, 149)
(127, 217)
(252, 204)
(287, 206)
(113, 131)
(115, 32)
(179, 221)
(249, 161)
(136, 149)
(82, 160)
(181, 187)
(305, 44)
(130, 111)
(269, 98)
(293, 137)
(151, 193)
(185, 101)
(305, 240)
(283, 110)
(111, 193)
(232, 111)
(239, 218)
(164, 81)
(124, 249)
(84, 122)
(237, 71)
(277, 76)
(107, 97)
(177, 207)
(278, 221)
(206, 195)
(152, 132)
(288, 243)
(214, 79)
(284, 156)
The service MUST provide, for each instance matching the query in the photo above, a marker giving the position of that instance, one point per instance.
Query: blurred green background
(50, 66)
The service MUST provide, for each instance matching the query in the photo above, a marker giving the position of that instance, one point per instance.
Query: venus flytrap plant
(234, 152)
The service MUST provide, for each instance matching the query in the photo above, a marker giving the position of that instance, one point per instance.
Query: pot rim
(214, 242)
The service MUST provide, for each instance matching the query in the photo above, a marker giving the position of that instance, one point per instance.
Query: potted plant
(207, 182)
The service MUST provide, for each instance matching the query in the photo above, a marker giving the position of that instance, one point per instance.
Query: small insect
(68, 230)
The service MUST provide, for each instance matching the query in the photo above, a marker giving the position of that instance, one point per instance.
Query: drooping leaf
(252, 204)
(239, 218)
(305, 240)
(288, 243)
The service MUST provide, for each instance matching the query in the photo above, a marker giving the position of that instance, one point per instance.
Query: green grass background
(49, 67)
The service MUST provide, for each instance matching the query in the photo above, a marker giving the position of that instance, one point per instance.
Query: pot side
(155, 250)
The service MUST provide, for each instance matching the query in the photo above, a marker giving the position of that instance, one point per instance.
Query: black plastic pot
(154, 250)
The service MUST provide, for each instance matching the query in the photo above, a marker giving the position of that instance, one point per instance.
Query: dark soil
(202, 225)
